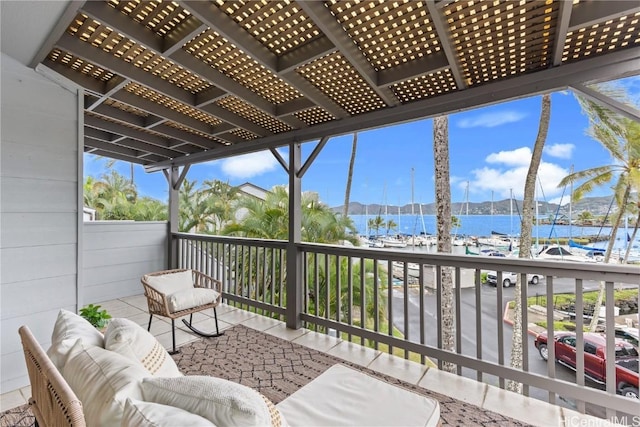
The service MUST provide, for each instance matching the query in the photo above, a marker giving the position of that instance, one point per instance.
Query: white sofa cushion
(131, 340)
(102, 380)
(189, 298)
(171, 282)
(70, 327)
(222, 402)
(139, 413)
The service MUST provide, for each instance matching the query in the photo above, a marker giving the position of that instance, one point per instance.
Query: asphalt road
(489, 321)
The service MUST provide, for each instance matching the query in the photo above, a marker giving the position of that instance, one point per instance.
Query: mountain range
(595, 205)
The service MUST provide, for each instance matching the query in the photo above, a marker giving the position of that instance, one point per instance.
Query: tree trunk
(607, 256)
(443, 218)
(632, 239)
(347, 192)
(525, 236)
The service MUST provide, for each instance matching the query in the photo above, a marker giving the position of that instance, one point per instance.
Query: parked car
(630, 335)
(626, 362)
(509, 278)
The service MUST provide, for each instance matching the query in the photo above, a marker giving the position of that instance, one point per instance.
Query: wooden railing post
(174, 177)
(294, 255)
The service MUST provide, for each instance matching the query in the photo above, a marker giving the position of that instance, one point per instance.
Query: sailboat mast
(467, 198)
(412, 186)
(492, 209)
(384, 200)
(366, 220)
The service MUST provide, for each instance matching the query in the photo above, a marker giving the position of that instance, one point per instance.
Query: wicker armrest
(157, 301)
(52, 401)
(201, 280)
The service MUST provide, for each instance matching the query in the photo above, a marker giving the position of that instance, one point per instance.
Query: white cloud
(518, 157)
(502, 181)
(249, 165)
(561, 151)
(493, 119)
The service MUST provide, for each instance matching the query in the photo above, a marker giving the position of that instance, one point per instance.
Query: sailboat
(461, 241)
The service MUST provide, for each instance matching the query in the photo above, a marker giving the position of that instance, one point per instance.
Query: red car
(594, 358)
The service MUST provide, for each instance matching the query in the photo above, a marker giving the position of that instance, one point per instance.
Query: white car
(628, 334)
(509, 278)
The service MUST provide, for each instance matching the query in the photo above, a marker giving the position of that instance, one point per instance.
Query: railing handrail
(613, 272)
(268, 243)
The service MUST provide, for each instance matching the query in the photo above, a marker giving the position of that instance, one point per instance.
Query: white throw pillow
(70, 327)
(102, 380)
(190, 298)
(222, 402)
(171, 282)
(135, 343)
(139, 413)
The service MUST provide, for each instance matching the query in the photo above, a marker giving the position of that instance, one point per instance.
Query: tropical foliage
(269, 219)
(323, 298)
(620, 136)
(376, 223)
(114, 197)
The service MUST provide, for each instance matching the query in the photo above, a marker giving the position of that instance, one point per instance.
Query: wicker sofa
(125, 377)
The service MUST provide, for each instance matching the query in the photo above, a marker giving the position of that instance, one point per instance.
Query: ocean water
(483, 225)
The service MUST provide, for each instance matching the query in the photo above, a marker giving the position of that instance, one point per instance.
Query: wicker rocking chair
(164, 300)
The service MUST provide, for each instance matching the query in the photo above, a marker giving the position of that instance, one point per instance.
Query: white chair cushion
(139, 413)
(222, 402)
(189, 298)
(70, 327)
(133, 342)
(171, 282)
(343, 396)
(102, 380)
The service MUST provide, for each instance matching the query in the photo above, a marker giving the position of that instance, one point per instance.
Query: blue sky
(490, 149)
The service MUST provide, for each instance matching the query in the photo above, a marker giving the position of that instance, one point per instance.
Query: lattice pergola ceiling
(195, 80)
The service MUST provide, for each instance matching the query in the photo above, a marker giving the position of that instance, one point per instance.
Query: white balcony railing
(391, 301)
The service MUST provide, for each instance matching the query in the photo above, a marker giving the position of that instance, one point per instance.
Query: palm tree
(268, 219)
(525, 235)
(376, 224)
(114, 184)
(455, 222)
(443, 217)
(633, 207)
(352, 160)
(621, 138)
(585, 216)
(223, 199)
(196, 209)
(391, 225)
(112, 196)
(318, 302)
(149, 209)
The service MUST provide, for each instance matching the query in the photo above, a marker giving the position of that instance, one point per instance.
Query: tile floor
(526, 409)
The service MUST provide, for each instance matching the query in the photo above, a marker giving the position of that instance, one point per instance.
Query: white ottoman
(343, 396)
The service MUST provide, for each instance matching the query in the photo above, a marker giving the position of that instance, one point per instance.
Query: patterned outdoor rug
(278, 368)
